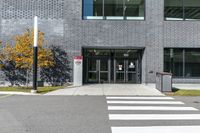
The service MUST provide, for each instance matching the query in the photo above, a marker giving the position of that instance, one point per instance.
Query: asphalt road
(77, 114)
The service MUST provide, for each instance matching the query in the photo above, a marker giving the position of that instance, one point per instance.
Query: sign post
(35, 55)
(78, 71)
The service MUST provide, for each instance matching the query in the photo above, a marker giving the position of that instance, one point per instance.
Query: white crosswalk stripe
(146, 98)
(157, 129)
(154, 117)
(159, 109)
(145, 102)
(151, 108)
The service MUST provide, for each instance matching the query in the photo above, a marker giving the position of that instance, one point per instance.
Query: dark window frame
(104, 17)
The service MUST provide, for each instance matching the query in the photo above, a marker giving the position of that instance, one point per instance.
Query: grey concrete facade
(61, 21)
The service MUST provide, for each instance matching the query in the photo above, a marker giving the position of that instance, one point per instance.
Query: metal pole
(35, 55)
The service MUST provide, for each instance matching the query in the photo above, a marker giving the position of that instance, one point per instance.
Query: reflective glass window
(173, 61)
(114, 9)
(134, 9)
(192, 9)
(126, 53)
(93, 9)
(167, 62)
(182, 62)
(182, 9)
(97, 52)
(192, 63)
(173, 10)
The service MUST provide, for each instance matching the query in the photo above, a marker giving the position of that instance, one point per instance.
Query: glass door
(98, 70)
(103, 70)
(92, 67)
(119, 71)
(126, 71)
(131, 70)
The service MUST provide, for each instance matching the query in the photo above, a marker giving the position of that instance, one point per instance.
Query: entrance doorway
(112, 66)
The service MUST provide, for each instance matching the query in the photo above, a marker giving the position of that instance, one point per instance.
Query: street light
(35, 55)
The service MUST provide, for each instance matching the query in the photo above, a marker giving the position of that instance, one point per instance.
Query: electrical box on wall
(78, 70)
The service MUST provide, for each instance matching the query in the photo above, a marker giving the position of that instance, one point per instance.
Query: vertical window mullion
(103, 11)
(183, 9)
(171, 60)
(183, 62)
(124, 9)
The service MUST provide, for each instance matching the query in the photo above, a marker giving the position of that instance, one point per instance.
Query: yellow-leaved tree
(23, 49)
(7, 53)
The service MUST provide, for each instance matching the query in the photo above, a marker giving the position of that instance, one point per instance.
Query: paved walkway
(109, 89)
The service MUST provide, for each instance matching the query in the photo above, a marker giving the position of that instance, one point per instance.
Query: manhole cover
(196, 102)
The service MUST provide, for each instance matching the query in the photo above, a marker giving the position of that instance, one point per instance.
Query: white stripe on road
(163, 108)
(154, 116)
(148, 98)
(157, 129)
(144, 102)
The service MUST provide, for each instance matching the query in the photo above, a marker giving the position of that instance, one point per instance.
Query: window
(192, 62)
(93, 9)
(173, 9)
(192, 9)
(114, 9)
(173, 61)
(182, 62)
(134, 9)
(182, 9)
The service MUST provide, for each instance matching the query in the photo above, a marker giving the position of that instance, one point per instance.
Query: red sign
(78, 57)
(78, 62)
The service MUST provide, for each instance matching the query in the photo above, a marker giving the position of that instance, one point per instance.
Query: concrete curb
(15, 93)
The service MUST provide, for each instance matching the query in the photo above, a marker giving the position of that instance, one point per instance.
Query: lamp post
(35, 55)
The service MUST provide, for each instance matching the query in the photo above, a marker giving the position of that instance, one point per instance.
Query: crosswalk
(132, 114)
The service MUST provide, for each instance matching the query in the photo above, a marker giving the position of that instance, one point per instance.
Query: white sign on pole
(78, 71)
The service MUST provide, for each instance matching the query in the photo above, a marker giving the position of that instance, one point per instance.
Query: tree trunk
(27, 77)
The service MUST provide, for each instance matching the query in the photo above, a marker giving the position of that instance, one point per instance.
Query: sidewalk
(110, 89)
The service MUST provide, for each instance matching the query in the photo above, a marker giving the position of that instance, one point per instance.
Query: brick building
(122, 41)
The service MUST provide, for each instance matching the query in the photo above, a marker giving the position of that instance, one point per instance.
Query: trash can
(164, 81)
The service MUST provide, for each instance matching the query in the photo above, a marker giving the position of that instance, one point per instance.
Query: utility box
(164, 81)
(78, 71)
(40, 83)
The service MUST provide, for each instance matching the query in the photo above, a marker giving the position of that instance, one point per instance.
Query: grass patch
(41, 90)
(46, 89)
(180, 92)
